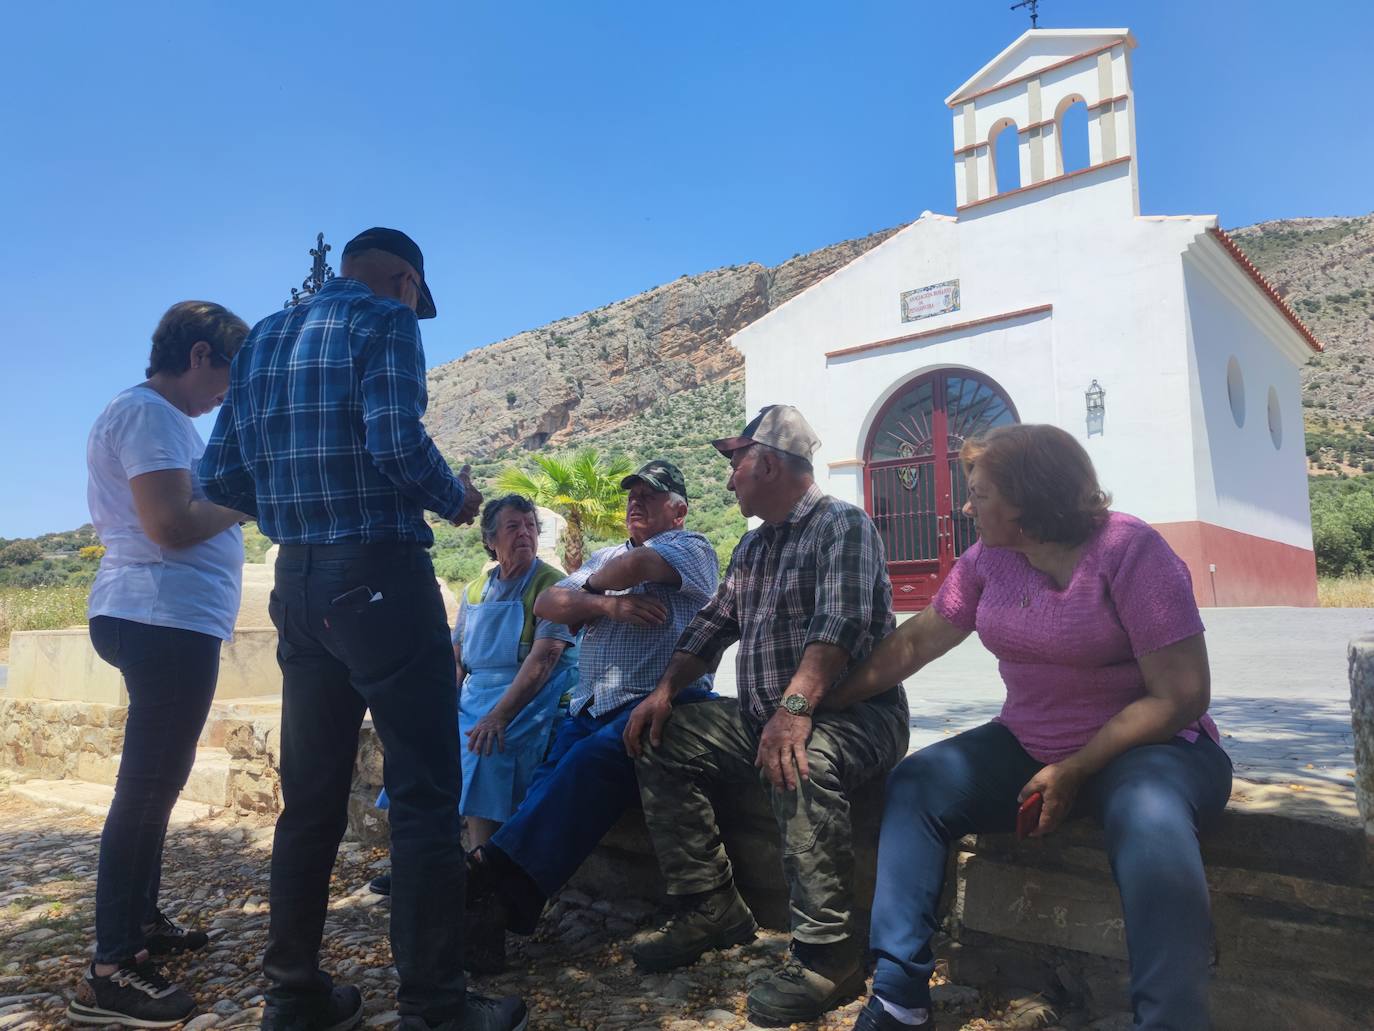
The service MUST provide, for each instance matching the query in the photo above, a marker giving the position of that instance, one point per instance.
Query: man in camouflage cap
(634, 599)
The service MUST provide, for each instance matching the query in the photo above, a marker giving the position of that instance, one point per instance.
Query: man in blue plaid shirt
(634, 599)
(320, 438)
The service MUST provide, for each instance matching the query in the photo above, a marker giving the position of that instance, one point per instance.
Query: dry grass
(1346, 592)
(40, 608)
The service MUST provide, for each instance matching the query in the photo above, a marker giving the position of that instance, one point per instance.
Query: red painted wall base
(1249, 570)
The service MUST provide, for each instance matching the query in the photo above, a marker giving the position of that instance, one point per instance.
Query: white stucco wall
(1243, 481)
(1118, 316)
(995, 96)
(1150, 307)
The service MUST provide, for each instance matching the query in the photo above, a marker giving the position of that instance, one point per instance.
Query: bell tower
(1035, 84)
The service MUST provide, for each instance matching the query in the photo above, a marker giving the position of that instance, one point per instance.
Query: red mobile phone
(1028, 815)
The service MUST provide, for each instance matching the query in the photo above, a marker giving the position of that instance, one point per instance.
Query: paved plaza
(1280, 690)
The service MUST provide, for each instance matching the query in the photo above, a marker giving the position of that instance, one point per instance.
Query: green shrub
(1343, 524)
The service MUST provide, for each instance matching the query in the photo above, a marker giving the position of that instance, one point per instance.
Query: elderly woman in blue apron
(517, 668)
(514, 670)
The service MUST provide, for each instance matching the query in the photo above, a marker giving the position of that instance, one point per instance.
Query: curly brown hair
(184, 325)
(1046, 473)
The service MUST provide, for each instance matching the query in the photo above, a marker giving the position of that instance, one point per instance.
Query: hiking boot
(480, 1013)
(797, 992)
(874, 1017)
(340, 1010)
(484, 939)
(718, 921)
(135, 995)
(380, 885)
(165, 937)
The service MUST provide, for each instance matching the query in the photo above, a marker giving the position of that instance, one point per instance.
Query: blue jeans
(1151, 801)
(170, 676)
(575, 796)
(343, 651)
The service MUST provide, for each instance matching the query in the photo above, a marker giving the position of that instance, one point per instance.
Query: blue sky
(550, 157)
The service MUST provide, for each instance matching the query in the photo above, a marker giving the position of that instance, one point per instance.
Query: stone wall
(59, 739)
(254, 747)
(1292, 905)
(61, 665)
(1361, 654)
(1292, 886)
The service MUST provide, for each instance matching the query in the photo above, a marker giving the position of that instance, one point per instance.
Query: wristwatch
(797, 705)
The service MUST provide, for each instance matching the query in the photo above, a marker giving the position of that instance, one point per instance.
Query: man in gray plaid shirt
(807, 596)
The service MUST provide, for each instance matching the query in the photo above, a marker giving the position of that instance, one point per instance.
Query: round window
(1275, 419)
(1235, 390)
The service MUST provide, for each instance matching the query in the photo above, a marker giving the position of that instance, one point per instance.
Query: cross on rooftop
(1034, 6)
(320, 273)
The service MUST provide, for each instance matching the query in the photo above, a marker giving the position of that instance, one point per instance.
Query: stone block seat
(1291, 875)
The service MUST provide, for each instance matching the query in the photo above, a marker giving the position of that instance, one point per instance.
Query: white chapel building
(1052, 299)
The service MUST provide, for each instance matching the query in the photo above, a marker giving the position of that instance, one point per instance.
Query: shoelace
(163, 924)
(793, 970)
(145, 978)
(682, 914)
(483, 1002)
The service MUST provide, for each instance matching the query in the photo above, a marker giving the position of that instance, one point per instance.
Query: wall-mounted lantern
(1097, 408)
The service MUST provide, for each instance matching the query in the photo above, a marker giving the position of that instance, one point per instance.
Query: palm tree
(585, 490)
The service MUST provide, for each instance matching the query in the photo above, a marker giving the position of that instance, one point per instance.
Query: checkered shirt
(820, 575)
(621, 663)
(320, 437)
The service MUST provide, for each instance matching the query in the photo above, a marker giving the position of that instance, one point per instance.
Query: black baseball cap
(658, 474)
(393, 241)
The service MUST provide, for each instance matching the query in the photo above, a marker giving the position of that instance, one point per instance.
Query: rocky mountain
(592, 372)
(589, 375)
(1324, 268)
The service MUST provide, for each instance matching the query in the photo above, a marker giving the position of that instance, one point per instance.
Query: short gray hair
(794, 464)
(492, 510)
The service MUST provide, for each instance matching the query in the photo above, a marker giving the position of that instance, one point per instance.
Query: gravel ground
(575, 972)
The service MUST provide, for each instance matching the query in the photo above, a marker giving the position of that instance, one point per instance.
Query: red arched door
(913, 483)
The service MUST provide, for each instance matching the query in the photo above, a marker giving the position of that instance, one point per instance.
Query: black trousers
(362, 626)
(170, 675)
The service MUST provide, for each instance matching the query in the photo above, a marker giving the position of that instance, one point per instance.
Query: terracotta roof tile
(1233, 248)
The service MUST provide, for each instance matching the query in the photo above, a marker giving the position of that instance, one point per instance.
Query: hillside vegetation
(1324, 268)
(654, 376)
(678, 428)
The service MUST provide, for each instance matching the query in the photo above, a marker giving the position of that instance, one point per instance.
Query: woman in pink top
(1099, 641)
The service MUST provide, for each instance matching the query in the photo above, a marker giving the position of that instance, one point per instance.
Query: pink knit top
(1068, 657)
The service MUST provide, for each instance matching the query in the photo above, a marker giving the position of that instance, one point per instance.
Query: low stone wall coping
(1361, 656)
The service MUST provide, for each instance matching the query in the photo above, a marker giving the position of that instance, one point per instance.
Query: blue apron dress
(493, 785)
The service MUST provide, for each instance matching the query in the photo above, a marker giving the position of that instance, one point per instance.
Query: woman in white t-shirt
(165, 597)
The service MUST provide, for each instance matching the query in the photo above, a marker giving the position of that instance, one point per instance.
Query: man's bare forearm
(683, 668)
(569, 606)
(900, 654)
(530, 678)
(821, 665)
(634, 567)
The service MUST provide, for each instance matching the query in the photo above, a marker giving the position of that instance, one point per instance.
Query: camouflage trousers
(710, 745)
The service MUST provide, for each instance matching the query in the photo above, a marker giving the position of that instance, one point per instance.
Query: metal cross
(320, 273)
(1034, 10)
